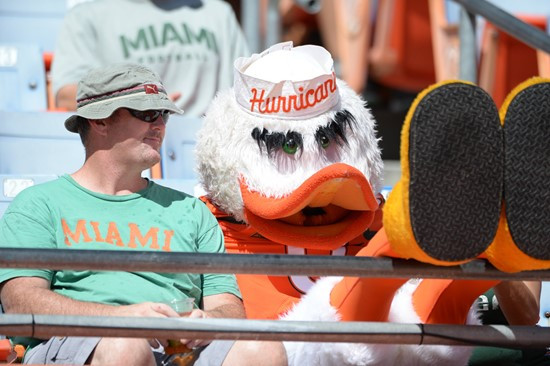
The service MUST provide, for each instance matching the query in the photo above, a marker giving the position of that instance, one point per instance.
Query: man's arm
(224, 306)
(32, 295)
(519, 301)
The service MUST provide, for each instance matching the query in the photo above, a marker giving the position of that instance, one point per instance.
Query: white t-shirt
(190, 44)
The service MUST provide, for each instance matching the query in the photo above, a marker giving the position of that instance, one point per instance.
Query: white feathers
(227, 151)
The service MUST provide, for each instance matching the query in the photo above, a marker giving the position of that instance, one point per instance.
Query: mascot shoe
(524, 232)
(445, 208)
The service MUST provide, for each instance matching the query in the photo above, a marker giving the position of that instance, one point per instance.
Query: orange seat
(402, 53)
(506, 61)
(346, 31)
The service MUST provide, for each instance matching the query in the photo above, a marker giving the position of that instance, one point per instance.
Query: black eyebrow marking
(272, 141)
(336, 129)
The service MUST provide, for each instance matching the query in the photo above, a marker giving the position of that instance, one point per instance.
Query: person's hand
(146, 309)
(174, 96)
(193, 343)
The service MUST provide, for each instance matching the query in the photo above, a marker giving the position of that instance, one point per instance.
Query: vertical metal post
(468, 46)
(250, 18)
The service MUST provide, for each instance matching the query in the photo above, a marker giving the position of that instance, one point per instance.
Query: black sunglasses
(150, 115)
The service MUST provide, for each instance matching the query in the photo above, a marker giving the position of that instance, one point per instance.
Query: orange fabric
(364, 299)
(367, 299)
(444, 301)
(380, 246)
(264, 296)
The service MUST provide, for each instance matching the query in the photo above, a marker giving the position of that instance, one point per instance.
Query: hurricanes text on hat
(108, 88)
(286, 82)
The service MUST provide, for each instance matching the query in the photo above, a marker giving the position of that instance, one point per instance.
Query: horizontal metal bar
(310, 265)
(46, 326)
(508, 23)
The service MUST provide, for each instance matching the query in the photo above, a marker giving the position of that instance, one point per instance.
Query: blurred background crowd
(387, 50)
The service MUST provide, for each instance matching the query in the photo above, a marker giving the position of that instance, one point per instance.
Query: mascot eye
(324, 141)
(290, 146)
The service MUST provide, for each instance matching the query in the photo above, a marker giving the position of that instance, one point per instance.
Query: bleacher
(35, 147)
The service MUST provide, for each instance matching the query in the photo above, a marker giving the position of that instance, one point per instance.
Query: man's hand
(192, 343)
(216, 306)
(146, 309)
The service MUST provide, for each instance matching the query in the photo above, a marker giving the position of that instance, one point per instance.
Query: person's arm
(223, 306)
(66, 97)
(519, 301)
(32, 295)
(77, 50)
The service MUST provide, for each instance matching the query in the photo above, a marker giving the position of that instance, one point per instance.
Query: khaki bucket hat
(105, 89)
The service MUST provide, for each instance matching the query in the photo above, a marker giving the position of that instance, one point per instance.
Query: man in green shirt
(107, 205)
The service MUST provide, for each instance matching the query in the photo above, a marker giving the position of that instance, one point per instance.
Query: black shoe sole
(456, 158)
(527, 170)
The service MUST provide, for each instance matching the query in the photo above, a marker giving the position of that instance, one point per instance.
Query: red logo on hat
(151, 89)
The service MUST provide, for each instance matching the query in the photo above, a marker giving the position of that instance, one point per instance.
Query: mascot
(290, 163)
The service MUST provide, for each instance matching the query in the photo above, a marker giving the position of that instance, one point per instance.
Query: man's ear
(99, 125)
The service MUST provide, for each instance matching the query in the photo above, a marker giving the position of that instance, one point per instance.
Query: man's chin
(155, 144)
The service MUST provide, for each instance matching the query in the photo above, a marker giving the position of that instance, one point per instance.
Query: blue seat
(22, 77)
(32, 21)
(178, 155)
(12, 184)
(38, 143)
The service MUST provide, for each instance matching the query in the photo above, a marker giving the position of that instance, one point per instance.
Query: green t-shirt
(62, 214)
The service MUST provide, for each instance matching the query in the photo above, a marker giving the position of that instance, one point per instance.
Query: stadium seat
(23, 77)
(444, 18)
(12, 184)
(506, 61)
(177, 154)
(32, 21)
(38, 143)
(401, 56)
(346, 32)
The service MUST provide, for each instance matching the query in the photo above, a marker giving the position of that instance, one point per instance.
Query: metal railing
(306, 331)
(503, 20)
(271, 264)
(46, 326)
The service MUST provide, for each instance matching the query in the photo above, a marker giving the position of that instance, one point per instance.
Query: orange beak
(330, 208)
